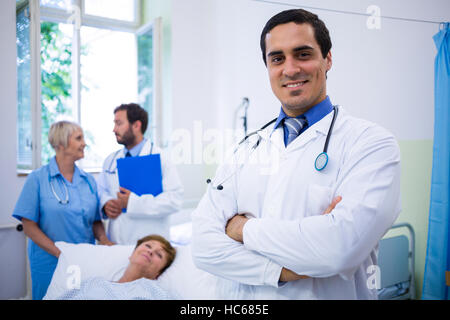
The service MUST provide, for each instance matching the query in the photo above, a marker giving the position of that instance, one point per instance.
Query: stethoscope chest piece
(321, 161)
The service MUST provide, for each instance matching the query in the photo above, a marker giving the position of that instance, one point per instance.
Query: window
(24, 133)
(89, 56)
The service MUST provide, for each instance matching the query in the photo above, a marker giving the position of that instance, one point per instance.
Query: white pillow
(86, 260)
(78, 262)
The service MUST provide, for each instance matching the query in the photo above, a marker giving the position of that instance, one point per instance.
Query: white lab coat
(145, 214)
(285, 197)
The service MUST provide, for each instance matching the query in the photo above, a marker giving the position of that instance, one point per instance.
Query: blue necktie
(128, 154)
(294, 126)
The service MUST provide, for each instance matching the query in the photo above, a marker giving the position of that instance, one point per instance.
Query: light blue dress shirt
(136, 150)
(71, 222)
(313, 115)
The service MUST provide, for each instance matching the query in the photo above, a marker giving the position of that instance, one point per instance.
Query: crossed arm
(235, 230)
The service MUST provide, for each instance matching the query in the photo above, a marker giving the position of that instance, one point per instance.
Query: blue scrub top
(71, 222)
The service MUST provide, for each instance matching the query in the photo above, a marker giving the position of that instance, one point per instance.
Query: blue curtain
(438, 246)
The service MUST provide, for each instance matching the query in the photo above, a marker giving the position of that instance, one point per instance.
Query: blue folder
(141, 175)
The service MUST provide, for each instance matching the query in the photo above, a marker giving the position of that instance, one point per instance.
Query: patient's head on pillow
(152, 255)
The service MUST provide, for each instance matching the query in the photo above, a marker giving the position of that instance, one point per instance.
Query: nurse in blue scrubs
(58, 203)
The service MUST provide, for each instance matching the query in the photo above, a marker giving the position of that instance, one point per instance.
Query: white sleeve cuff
(134, 203)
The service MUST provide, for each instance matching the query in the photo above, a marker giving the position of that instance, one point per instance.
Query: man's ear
(137, 125)
(329, 60)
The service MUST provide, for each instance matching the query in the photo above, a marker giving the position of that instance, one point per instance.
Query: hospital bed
(396, 263)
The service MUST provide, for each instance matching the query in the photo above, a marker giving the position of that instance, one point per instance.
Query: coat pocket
(318, 199)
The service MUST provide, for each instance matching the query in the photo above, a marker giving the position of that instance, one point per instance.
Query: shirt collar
(136, 150)
(53, 166)
(313, 115)
(54, 170)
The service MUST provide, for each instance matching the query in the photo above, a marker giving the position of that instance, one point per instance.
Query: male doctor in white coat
(144, 214)
(260, 226)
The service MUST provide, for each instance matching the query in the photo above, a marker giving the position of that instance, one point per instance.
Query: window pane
(56, 73)
(145, 75)
(60, 4)
(113, 9)
(108, 79)
(24, 128)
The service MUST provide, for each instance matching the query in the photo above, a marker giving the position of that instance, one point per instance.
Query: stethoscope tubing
(66, 200)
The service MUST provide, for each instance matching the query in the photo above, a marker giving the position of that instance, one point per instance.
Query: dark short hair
(134, 113)
(167, 247)
(298, 16)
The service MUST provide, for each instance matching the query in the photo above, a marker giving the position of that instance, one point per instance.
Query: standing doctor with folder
(260, 226)
(145, 214)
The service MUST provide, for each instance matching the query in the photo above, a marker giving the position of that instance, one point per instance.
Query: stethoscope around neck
(319, 164)
(66, 190)
(116, 155)
(66, 198)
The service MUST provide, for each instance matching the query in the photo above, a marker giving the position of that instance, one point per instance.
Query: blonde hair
(167, 247)
(60, 133)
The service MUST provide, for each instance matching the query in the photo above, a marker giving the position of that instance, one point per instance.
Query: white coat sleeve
(214, 251)
(167, 202)
(103, 189)
(338, 243)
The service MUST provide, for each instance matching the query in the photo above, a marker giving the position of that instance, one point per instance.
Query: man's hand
(235, 226)
(123, 195)
(288, 275)
(112, 208)
(333, 204)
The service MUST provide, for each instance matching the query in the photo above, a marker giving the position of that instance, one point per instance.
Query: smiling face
(297, 69)
(150, 258)
(76, 145)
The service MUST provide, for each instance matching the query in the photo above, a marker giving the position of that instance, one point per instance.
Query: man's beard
(127, 139)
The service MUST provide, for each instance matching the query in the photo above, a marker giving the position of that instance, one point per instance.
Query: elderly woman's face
(150, 257)
(76, 145)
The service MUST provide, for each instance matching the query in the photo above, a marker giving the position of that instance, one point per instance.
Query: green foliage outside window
(56, 82)
(56, 64)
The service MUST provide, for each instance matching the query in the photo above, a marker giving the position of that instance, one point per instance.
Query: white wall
(12, 244)
(10, 184)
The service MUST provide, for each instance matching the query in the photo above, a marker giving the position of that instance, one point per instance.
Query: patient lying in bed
(151, 257)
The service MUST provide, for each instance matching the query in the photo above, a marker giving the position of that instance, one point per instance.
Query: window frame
(39, 14)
